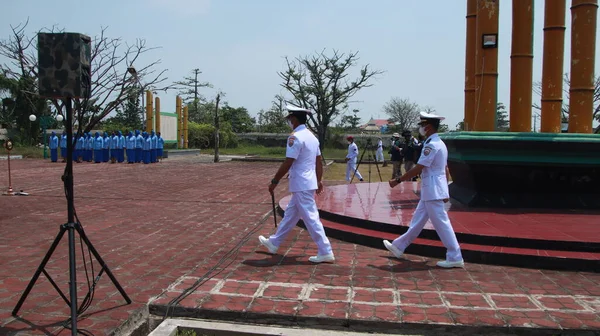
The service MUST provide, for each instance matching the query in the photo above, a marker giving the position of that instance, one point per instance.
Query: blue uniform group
(136, 146)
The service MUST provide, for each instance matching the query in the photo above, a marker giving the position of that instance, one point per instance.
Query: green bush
(203, 136)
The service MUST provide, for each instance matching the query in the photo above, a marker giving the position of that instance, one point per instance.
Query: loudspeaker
(64, 65)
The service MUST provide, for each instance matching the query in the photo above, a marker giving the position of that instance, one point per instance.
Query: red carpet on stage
(366, 213)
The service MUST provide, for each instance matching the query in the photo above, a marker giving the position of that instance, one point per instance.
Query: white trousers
(433, 210)
(350, 168)
(303, 206)
(379, 155)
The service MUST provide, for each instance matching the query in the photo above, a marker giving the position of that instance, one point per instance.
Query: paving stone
(172, 233)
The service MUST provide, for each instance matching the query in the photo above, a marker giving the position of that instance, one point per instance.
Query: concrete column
(179, 118)
(552, 68)
(470, 65)
(521, 68)
(584, 15)
(157, 114)
(486, 67)
(149, 111)
(185, 127)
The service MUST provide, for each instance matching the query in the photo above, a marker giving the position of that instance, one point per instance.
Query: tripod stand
(371, 157)
(71, 226)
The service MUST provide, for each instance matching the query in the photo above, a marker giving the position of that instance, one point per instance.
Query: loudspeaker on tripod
(64, 65)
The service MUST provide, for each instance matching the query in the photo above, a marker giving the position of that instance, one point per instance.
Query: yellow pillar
(521, 69)
(157, 114)
(486, 67)
(178, 111)
(149, 113)
(470, 65)
(552, 66)
(584, 14)
(185, 127)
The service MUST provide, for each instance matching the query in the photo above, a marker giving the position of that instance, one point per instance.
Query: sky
(240, 45)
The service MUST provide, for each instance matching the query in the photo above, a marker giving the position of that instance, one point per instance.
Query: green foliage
(237, 117)
(501, 118)
(203, 136)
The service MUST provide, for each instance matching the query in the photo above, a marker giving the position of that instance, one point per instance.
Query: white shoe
(451, 264)
(267, 243)
(395, 251)
(324, 258)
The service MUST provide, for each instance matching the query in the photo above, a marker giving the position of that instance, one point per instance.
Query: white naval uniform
(303, 147)
(434, 189)
(379, 152)
(351, 164)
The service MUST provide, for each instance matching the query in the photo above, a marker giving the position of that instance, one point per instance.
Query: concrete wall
(168, 126)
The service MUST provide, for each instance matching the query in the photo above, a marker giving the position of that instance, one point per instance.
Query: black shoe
(361, 180)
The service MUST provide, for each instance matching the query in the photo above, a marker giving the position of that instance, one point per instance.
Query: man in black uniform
(410, 151)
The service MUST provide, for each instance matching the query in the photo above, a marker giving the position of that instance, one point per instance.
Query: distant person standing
(63, 146)
(53, 144)
(351, 160)
(160, 145)
(410, 150)
(396, 152)
(304, 162)
(379, 153)
(432, 166)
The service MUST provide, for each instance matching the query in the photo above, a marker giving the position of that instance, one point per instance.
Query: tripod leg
(378, 171)
(39, 270)
(101, 262)
(357, 165)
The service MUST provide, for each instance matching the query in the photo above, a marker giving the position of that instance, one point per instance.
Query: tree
(351, 122)
(443, 128)
(537, 88)
(237, 117)
(128, 114)
(273, 120)
(403, 113)
(501, 118)
(320, 83)
(188, 89)
(110, 83)
(460, 126)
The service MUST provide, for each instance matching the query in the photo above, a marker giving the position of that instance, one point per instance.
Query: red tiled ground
(161, 228)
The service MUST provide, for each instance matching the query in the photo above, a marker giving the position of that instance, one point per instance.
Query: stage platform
(367, 213)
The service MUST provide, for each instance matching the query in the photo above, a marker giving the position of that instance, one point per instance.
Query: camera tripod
(372, 157)
(71, 226)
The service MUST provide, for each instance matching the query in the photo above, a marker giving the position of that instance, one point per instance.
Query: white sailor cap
(430, 117)
(296, 110)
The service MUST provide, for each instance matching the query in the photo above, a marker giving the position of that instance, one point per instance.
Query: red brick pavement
(161, 228)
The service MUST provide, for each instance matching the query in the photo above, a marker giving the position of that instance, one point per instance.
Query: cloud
(183, 7)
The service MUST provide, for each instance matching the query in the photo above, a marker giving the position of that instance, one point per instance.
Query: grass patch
(27, 152)
(337, 172)
(273, 152)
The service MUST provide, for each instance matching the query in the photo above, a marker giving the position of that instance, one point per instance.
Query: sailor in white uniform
(304, 162)
(432, 166)
(351, 159)
(379, 152)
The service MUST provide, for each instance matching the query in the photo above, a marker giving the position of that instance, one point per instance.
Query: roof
(377, 122)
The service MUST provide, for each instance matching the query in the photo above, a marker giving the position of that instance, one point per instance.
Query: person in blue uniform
(153, 144)
(63, 146)
(146, 147)
(106, 148)
(98, 148)
(160, 145)
(88, 147)
(121, 147)
(53, 144)
(113, 140)
(432, 165)
(130, 147)
(305, 165)
(139, 144)
(79, 145)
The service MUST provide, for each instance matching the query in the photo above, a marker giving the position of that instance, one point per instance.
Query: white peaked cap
(425, 115)
(294, 109)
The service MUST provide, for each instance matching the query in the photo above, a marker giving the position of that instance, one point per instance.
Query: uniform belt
(431, 175)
